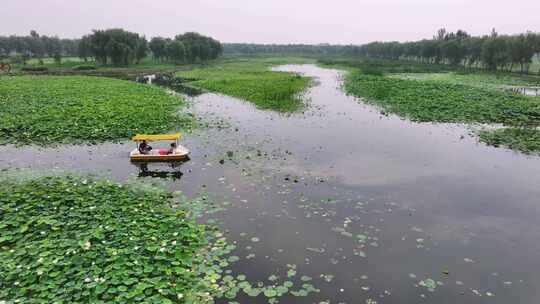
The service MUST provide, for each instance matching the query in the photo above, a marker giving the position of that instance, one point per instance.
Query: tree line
(493, 51)
(116, 46)
(22, 48)
(290, 49)
(121, 47)
(186, 48)
(112, 46)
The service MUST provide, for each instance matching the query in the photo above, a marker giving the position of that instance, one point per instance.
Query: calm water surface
(374, 202)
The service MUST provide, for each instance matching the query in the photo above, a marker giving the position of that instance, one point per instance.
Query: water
(427, 198)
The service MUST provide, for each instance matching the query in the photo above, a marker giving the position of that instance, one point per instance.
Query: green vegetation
(185, 48)
(85, 67)
(479, 79)
(456, 49)
(251, 79)
(34, 69)
(75, 240)
(49, 61)
(425, 100)
(524, 140)
(80, 240)
(493, 51)
(80, 109)
(22, 49)
(116, 46)
(380, 66)
(460, 96)
(122, 47)
(288, 50)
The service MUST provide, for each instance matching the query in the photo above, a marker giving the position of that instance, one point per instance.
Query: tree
(84, 49)
(176, 51)
(141, 50)
(158, 47)
(495, 52)
(58, 58)
(118, 45)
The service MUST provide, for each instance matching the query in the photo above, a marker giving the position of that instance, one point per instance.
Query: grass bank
(80, 109)
(74, 240)
(250, 79)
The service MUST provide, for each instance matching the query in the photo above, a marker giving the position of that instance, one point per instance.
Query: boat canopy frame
(156, 137)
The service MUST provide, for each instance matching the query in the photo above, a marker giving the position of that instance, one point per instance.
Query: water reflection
(156, 170)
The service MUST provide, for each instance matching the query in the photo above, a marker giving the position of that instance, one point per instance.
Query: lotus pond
(49, 110)
(453, 97)
(442, 101)
(78, 239)
(346, 204)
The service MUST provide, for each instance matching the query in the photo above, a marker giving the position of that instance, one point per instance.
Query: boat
(156, 155)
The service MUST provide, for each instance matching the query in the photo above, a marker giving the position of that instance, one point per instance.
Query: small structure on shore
(528, 91)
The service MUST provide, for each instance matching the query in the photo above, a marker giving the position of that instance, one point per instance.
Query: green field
(88, 241)
(251, 79)
(79, 109)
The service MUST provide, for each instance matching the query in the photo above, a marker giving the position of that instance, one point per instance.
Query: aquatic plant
(500, 81)
(70, 239)
(520, 139)
(438, 101)
(251, 80)
(378, 66)
(78, 109)
(76, 239)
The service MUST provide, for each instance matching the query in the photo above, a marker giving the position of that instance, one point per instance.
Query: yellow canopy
(155, 137)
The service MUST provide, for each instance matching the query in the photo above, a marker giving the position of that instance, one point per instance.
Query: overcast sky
(272, 21)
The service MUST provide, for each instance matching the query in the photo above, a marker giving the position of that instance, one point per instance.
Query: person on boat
(172, 149)
(144, 148)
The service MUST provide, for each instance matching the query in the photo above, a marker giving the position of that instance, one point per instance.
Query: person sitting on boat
(172, 149)
(144, 148)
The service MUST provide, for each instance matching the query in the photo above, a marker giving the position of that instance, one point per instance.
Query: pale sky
(272, 21)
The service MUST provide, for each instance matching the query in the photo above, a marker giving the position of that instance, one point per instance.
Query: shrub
(372, 71)
(34, 69)
(84, 67)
